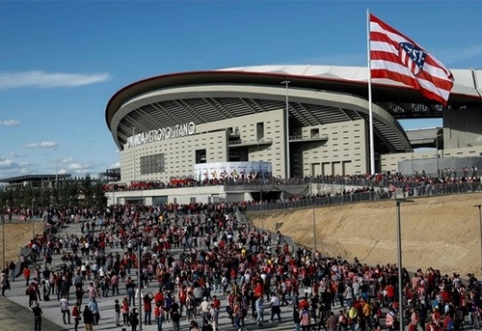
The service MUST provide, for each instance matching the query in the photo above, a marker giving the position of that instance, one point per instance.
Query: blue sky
(60, 62)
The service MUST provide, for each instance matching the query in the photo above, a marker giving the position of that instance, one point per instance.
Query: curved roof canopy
(317, 95)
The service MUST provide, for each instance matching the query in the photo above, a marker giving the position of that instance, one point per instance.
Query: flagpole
(370, 110)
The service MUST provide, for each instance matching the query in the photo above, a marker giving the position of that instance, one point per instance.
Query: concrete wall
(462, 128)
(407, 163)
(206, 194)
(180, 153)
(345, 152)
(430, 166)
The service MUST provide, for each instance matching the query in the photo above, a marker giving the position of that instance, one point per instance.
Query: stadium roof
(467, 82)
(208, 96)
(33, 178)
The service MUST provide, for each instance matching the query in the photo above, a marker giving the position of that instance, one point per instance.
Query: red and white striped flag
(395, 56)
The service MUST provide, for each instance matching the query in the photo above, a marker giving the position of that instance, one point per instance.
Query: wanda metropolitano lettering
(169, 132)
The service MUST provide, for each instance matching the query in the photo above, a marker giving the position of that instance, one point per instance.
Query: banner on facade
(232, 170)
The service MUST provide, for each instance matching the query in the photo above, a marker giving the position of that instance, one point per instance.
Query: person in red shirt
(304, 303)
(448, 323)
(26, 275)
(147, 299)
(389, 293)
(216, 303)
(431, 326)
(182, 298)
(159, 298)
(436, 316)
(258, 290)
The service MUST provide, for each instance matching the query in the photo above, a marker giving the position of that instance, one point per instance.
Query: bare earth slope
(17, 235)
(438, 232)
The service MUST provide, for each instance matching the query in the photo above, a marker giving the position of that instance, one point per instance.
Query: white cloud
(6, 164)
(43, 144)
(66, 160)
(42, 79)
(115, 165)
(10, 123)
(76, 166)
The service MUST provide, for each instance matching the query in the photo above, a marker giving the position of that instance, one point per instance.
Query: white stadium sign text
(170, 132)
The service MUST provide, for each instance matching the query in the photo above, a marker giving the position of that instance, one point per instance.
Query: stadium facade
(306, 120)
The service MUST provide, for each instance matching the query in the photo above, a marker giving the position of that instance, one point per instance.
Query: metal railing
(299, 137)
(421, 189)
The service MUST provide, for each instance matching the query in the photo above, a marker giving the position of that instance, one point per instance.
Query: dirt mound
(439, 232)
(17, 235)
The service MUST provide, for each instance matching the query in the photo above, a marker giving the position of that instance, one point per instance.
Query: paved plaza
(52, 316)
(16, 315)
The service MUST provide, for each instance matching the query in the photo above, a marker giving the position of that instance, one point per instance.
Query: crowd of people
(443, 176)
(198, 263)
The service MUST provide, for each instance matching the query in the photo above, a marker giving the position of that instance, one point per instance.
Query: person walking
(305, 319)
(159, 315)
(125, 312)
(275, 308)
(88, 318)
(26, 275)
(117, 310)
(5, 284)
(76, 315)
(296, 318)
(64, 308)
(332, 322)
(12, 268)
(205, 310)
(94, 308)
(259, 311)
(37, 313)
(31, 292)
(214, 313)
(237, 315)
(134, 319)
(147, 298)
(130, 289)
(175, 316)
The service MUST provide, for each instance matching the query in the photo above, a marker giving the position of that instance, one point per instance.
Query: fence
(415, 190)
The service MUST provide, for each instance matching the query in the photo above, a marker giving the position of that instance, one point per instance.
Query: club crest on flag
(412, 57)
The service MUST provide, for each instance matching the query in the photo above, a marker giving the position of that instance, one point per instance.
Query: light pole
(57, 168)
(261, 187)
(314, 226)
(288, 172)
(3, 242)
(33, 223)
(139, 283)
(313, 199)
(135, 143)
(399, 260)
(480, 230)
(438, 156)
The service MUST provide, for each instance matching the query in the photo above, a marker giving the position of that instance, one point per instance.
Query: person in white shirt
(205, 307)
(259, 311)
(275, 308)
(214, 314)
(64, 308)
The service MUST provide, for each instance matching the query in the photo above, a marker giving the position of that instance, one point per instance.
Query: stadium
(302, 120)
